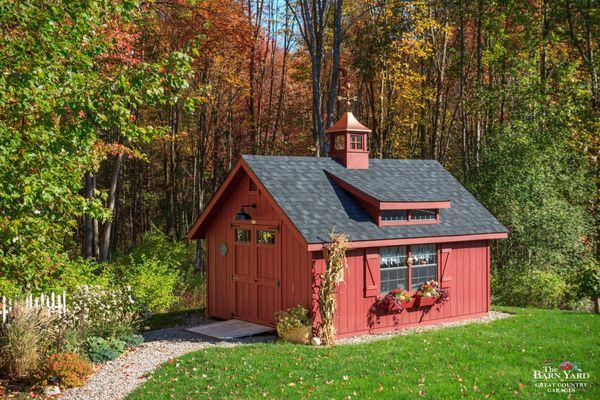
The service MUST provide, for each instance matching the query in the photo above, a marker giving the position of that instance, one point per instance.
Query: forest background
(119, 120)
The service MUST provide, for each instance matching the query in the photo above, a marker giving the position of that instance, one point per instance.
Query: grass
(477, 361)
(169, 319)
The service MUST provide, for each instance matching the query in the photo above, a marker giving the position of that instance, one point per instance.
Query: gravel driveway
(118, 378)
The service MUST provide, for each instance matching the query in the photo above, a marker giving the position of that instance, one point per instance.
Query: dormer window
(394, 215)
(408, 217)
(356, 142)
(388, 212)
(423, 214)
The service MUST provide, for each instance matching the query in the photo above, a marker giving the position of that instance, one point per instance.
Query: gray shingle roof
(316, 205)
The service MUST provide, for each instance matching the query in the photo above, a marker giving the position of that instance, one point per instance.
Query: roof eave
(418, 240)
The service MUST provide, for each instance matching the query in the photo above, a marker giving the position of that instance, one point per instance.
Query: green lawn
(479, 361)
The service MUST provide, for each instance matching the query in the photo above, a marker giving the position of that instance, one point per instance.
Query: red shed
(409, 221)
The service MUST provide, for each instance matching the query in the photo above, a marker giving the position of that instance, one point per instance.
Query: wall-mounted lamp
(243, 215)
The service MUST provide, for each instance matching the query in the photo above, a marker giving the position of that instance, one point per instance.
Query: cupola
(348, 142)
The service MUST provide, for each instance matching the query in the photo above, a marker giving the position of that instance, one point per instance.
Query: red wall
(463, 267)
(295, 259)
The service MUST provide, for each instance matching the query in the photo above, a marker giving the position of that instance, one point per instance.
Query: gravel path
(491, 316)
(118, 378)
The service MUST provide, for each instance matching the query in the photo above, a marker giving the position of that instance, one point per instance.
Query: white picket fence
(56, 303)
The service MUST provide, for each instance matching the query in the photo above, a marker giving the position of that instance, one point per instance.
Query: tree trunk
(112, 199)
(478, 124)
(335, 63)
(96, 229)
(89, 225)
(199, 264)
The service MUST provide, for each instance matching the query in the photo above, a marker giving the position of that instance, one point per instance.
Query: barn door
(244, 287)
(268, 273)
(257, 273)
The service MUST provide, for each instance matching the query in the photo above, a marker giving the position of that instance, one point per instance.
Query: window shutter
(372, 272)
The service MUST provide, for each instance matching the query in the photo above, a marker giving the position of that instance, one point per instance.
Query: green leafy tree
(66, 81)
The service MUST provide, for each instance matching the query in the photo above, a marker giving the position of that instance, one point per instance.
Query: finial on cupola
(348, 138)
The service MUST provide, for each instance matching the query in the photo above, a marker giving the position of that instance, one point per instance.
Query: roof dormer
(348, 142)
(387, 207)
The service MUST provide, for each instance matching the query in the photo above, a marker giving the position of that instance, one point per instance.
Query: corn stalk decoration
(334, 254)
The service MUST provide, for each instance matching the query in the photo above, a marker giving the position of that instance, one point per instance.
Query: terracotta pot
(425, 301)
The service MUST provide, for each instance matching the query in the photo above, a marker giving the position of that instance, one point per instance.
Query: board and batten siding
(295, 259)
(463, 267)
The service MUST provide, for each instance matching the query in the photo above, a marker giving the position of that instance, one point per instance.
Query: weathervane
(347, 99)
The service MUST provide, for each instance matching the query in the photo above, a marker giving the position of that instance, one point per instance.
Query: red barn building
(265, 227)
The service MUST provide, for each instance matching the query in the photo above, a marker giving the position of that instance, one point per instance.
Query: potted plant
(406, 298)
(295, 325)
(428, 294)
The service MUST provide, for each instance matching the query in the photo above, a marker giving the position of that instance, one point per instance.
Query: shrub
(101, 350)
(160, 270)
(585, 281)
(68, 340)
(24, 341)
(132, 341)
(529, 288)
(294, 325)
(154, 283)
(69, 368)
(73, 274)
(8, 288)
(95, 311)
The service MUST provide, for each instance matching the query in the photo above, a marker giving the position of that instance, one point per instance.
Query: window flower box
(406, 299)
(430, 293)
(409, 303)
(425, 301)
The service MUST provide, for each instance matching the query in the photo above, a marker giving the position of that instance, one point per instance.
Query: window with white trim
(356, 142)
(339, 142)
(393, 268)
(424, 264)
(394, 215)
(422, 214)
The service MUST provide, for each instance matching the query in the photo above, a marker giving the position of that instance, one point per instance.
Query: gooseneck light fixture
(243, 215)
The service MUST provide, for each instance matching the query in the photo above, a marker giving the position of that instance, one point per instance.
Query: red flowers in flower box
(431, 293)
(404, 297)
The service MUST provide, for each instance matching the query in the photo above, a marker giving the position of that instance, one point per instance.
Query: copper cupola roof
(348, 123)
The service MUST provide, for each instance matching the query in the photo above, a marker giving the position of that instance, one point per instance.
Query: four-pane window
(339, 142)
(424, 264)
(395, 273)
(356, 142)
(265, 237)
(242, 235)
